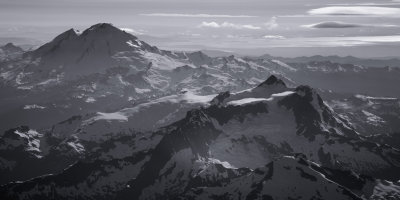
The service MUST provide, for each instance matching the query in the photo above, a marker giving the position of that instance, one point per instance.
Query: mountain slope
(240, 137)
(78, 73)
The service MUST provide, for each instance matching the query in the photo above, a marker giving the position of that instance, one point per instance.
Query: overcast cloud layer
(286, 28)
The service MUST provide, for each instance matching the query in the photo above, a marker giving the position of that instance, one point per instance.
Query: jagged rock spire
(272, 80)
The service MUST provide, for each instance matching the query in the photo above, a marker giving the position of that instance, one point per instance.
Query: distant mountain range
(367, 62)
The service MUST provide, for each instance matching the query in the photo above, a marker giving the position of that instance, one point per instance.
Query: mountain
(22, 146)
(367, 62)
(100, 114)
(218, 53)
(89, 52)
(369, 115)
(78, 73)
(270, 141)
(11, 48)
(348, 78)
(10, 51)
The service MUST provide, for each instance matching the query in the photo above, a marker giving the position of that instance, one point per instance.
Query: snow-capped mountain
(77, 73)
(79, 136)
(22, 146)
(80, 72)
(232, 145)
(104, 48)
(367, 62)
(251, 128)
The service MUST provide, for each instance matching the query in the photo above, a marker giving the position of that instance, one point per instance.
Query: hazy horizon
(280, 28)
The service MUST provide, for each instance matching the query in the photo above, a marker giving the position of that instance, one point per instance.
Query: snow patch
(163, 62)
(180, 101)
(130, 43)
(253, 100)
(192, 98)
(50, 81)
(125, 83)
(32, 137)
(373, 119)
(110, 116)
(33, 106)
(246, 101)
(284, 65)
(24, 87)
(90, 100)
(6, 75)
(282, 94)
(76, 146)
(141, 91)
(386, 189)
(374, 98)
(223, 163)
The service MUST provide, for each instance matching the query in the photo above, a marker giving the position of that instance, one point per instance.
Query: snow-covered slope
(245, 136)
(22, 147)
(78, 73)
(237, 145)
(103, 48)
(150, 124)
(370, 115)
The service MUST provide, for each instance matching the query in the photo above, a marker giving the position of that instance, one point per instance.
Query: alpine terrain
(101, 114)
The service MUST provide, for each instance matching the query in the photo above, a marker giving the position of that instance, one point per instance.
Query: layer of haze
(253, 27)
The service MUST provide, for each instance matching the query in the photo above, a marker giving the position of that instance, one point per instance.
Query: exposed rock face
(155, 124)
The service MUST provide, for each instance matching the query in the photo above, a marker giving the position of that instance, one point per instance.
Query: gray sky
(279, 27)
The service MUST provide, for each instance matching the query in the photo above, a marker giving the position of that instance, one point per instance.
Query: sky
(250, 27)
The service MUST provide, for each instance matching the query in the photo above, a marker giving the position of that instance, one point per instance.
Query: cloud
(337, 24)
(232, 42)
(280, 37)
(355, 10)
(272, 24)
(353, 41)
(196, 15)
(210, 24)
(228, 25)
(347, 41)
(129, 30)
(366, 4)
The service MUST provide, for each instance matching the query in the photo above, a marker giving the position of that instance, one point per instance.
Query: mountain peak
(56, 43)
(105, 30)
(272, 80)
(10, 47)
(99, 39)
(70, 33)
(220, 98)
(102, 26)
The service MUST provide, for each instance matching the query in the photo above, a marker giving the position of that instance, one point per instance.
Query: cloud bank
(274, 37)
(129, 30)
(196, 15)
(355, 10)
(228, 25)
(272, 23)
(337, 24)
